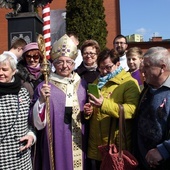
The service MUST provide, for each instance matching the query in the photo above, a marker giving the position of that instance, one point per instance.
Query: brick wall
(3, 30)
(112, 12)
(112, 18)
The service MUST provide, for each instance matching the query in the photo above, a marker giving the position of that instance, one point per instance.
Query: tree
(87, 19)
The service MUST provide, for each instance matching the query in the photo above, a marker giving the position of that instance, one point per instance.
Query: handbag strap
(122, 129)
(110, 129)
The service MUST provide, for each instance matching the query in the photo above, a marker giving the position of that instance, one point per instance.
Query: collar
(91, 68)
(123, 57)
(167, 82)
(69, 82)
(74, 78)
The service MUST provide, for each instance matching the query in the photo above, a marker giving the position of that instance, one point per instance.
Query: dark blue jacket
(152, 123)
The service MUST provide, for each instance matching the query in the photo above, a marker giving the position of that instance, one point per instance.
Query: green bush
(87, 19)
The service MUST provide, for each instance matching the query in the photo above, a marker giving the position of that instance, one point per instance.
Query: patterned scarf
(12, 87)
(105, 79)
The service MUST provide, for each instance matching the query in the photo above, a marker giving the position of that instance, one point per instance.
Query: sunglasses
(35, 57)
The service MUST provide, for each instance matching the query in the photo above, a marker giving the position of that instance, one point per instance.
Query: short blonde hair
(135, 51)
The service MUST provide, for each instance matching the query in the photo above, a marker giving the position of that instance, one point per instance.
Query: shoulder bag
(113, 157)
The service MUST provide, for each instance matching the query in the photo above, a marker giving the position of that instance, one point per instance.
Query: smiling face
(133, 62)
(120, 45)
(32, 58)
(64, 66)
(6, 72)
(89, 55)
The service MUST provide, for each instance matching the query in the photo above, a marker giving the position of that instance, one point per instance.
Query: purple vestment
(62, 135)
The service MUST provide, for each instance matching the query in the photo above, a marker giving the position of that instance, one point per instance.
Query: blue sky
(146, 17)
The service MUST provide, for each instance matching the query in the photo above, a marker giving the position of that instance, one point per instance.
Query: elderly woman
(15, 136)
(88, 68)
(29, 67)
(116, 87)
(67, 96)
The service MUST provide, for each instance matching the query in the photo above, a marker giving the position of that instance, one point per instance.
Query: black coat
(84, 73)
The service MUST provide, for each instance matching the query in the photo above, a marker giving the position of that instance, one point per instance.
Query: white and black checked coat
(13, 126)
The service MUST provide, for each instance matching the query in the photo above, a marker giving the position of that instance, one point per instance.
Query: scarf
(90, 68)
(105, 79)
(35, 71)
(11, 88)
(70, 84)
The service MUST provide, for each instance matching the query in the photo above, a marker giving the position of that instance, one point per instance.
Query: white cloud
(141, 31)
(148, 32)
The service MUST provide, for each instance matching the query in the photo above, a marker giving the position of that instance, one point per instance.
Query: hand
(88, 109)
(153, 157)
(96, 101)
(26, 142)
(44, 93)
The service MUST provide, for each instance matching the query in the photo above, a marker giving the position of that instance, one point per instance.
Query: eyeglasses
(61, 62)
(121, 43)
(35, 57)
(91, 54)
(107, 68)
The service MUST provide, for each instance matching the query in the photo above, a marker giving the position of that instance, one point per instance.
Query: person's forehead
(5, 64)
(106, 61)
(64, 58)
(90, 48)
(120, 39)
(34, 51)
(132, 56)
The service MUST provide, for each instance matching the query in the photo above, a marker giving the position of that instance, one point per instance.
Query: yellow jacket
(121, 89)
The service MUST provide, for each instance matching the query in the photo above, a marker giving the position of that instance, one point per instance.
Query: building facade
(112, 12)
(134, 38)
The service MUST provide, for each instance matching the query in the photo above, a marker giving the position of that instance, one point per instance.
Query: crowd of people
(54, 123)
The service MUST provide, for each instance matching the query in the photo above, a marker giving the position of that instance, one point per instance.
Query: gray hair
(5, 57)
(158, 56)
